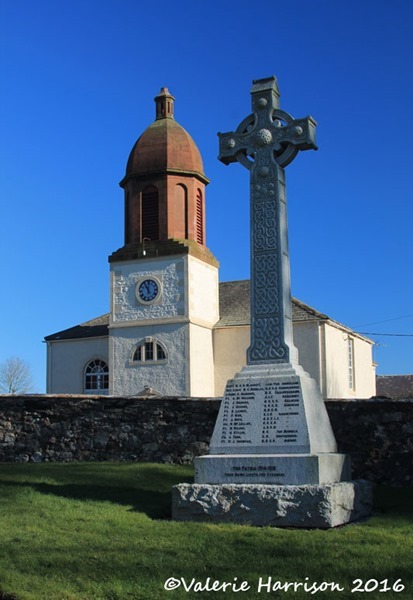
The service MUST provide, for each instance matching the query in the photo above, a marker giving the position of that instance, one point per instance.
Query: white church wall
(202, 294)
(306, 337)
(201, 361)
(126, 275)
(365, 369)
(66, 362)
(230, 347)
(348, 377)
(168, 377)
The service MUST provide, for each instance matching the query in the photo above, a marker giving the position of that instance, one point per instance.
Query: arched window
(149, 350)
(150, 213)
(96, 377)
(181, 212)
(199, 218)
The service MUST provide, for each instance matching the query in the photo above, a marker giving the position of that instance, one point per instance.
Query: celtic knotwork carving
(268, 343)
(265, 220)
(265, 280)
(264, 266)
(265, 300)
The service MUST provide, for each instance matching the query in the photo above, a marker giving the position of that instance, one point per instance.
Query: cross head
(267, 132)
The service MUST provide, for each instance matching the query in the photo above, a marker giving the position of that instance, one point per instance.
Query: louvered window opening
(150, 215)
(199, 220)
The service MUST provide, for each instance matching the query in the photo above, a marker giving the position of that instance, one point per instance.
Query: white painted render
(337, 364)
(230, 347)
(201, 361)
(168, 377)
(66, 362)
(125, 276)
(202, 292)
(307, 341)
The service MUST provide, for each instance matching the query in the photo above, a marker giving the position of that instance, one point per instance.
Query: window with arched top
(96, 377)
(199, 218)
(150, 213)
(181, 212)
(149, 350)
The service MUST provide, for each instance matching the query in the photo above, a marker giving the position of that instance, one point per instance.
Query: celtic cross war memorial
(273, 458)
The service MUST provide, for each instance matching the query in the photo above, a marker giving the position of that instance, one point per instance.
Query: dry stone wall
(377, 433)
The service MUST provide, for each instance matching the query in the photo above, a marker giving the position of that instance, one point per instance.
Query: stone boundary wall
(377, 432)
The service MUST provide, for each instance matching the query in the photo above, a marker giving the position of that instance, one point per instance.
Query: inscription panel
(265, 416)
(280, 469)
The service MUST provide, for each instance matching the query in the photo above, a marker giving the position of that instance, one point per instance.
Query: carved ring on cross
(284, 152)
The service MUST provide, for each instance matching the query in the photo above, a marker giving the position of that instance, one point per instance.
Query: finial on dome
(164, 104)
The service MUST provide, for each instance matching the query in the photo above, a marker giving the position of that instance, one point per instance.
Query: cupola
(164, 182)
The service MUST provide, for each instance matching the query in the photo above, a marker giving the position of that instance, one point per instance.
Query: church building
(173, 329)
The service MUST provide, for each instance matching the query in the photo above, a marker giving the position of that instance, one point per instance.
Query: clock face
(148, 290)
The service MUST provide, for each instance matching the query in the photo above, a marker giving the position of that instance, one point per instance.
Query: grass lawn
(102, 531)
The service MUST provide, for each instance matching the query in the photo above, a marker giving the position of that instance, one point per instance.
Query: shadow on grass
(155, 504)
(145, 487)
(393, 501)
(150, 493)
(4, 596)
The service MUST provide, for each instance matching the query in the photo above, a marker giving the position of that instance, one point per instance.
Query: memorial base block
(280, 469)
(301, 506)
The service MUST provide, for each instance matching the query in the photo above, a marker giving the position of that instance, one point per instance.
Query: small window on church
(160, 352)
(96, 377)
(149, 351)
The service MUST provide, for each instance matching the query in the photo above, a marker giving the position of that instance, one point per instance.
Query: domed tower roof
(165, 146)
(164, 190)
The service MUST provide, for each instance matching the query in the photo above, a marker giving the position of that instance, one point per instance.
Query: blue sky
(78, 80)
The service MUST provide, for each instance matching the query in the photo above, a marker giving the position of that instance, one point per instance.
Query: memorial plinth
(272, 427)
(272, 455)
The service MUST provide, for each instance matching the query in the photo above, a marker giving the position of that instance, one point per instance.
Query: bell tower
(164, 280)
(164, 184)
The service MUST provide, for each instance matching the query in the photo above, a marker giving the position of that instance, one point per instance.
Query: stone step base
(303, 506)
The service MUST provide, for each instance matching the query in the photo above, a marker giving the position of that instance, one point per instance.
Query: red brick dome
(165, 146)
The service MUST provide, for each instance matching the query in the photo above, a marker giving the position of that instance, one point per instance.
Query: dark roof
(234, 306)
(94, 328)
(394, 386)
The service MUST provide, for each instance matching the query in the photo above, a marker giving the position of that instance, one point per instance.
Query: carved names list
(273, 407)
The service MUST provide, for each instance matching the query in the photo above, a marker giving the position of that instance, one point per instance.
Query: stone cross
(266, 142)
